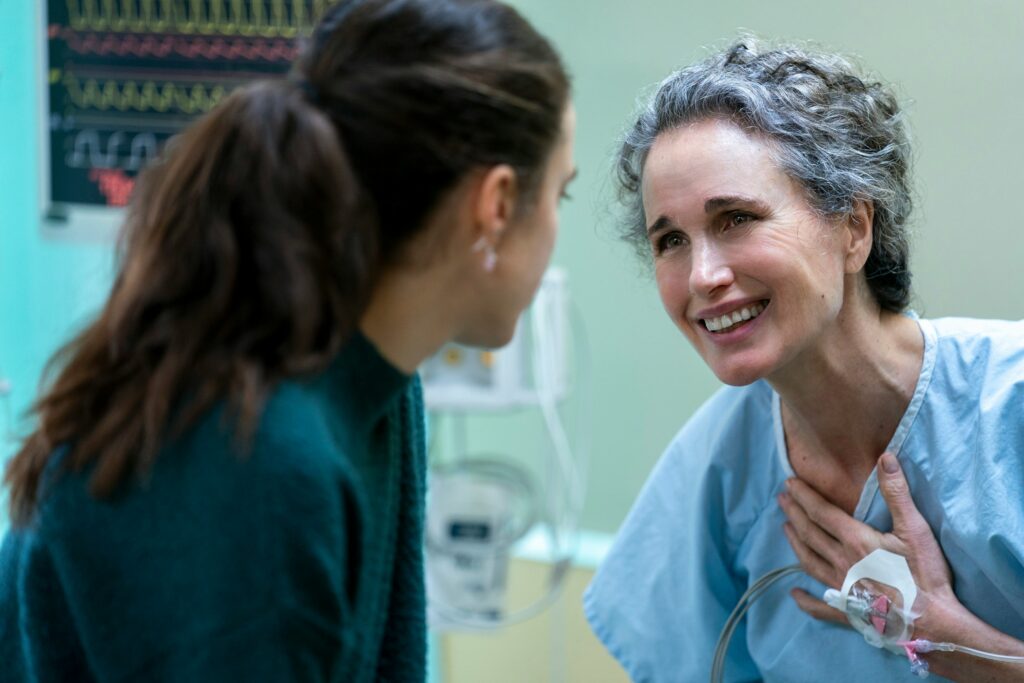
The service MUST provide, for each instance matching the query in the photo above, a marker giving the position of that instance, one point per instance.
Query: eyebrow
(662, 223)
(718, 203)
(710, 206)
(572, 176)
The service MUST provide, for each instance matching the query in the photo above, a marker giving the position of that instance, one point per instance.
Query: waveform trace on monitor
(124, 76)
(188, 47)
(267, 18)
(188, 98)
(123, 150)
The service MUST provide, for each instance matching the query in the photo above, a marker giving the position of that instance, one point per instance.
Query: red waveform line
(115, 185)
(252, 49)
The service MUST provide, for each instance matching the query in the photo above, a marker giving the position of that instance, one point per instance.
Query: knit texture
(299, 559)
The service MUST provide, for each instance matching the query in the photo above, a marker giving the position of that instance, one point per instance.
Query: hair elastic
(310, 91)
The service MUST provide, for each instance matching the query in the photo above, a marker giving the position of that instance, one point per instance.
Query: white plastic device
(459, 378)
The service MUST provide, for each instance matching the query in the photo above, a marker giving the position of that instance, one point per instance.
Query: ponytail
(248, 255)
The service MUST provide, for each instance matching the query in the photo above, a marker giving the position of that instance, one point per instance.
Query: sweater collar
(363, 381)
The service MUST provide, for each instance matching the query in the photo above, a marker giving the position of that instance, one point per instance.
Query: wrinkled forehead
(691, 164)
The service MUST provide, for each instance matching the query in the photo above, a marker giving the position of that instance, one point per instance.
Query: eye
(669, 240)
(565, 196)
(738, 218)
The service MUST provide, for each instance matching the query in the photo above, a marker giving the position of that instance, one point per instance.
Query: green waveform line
(279, 18)
(196, 98)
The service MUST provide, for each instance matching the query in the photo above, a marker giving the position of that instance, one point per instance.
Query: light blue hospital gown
(707, 524)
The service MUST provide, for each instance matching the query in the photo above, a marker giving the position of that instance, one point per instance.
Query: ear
(859, 234)
(494, 204)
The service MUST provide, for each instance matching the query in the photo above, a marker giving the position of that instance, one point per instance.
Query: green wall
(957, 63)
(47, 289)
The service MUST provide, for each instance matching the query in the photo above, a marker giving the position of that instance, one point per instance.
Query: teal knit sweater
(298, 561)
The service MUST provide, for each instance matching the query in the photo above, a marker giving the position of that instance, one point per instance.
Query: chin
(737, 375)
(488, 337)
(738, 380)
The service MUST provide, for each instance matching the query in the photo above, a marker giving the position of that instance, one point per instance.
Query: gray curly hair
(840, 135)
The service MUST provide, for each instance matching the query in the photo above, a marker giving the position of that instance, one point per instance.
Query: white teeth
(729, 319)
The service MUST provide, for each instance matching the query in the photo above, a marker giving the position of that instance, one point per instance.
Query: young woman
(226, 481)
(770, 188)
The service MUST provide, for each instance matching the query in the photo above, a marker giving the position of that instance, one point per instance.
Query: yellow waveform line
(130, 96)
(279, 19)
(125, 19)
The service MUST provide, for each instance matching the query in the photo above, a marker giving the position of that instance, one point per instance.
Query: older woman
(771, 190)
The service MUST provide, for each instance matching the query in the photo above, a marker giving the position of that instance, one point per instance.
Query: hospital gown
(707, 524)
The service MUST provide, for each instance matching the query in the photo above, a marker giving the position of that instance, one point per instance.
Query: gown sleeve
(669, 583)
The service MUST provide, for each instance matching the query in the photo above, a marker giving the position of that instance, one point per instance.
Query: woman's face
(526, 247)
(746, 269)
(532, 239)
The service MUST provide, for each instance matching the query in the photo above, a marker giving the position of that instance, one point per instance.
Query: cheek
(551, 227)
(546, 227)
(673, 287)
(535, 239)
(825, 286)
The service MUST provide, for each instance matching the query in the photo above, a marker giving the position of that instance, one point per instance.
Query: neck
(844, 399)
(409, 317)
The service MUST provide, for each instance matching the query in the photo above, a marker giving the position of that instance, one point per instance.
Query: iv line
(912, 647)
(924, 646)
(748, 598)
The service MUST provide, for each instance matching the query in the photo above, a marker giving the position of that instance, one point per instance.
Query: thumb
(906, 520)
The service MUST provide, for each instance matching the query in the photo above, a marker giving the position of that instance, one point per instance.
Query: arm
(828, 542)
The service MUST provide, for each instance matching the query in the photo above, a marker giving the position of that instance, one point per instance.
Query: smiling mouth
(734, 319)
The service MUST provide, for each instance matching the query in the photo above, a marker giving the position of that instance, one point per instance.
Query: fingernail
(789, 484)
(890, 464)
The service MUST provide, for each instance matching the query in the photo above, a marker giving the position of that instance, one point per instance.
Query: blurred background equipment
(123, 76)
(483, 507)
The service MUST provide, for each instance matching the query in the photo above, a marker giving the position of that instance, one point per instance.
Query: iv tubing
(748, 598)
(924, 646)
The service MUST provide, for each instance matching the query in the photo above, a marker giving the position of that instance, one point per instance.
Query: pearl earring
(490, 260)
(490, 257)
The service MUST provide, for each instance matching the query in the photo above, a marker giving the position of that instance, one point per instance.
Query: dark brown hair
(252, 246)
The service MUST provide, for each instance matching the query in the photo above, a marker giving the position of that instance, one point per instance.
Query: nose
(710, 270)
